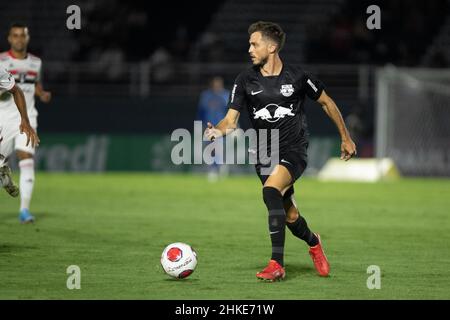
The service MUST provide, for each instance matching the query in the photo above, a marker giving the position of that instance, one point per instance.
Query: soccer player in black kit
(273, 93)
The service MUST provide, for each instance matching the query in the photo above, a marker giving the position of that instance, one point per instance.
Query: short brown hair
(269, 30)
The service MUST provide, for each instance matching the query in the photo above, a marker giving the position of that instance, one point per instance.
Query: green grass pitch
(115, 226)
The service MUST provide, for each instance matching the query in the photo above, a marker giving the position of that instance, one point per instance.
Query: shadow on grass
(181, 280)
(7, 217)
(294, 270)
(44, 215)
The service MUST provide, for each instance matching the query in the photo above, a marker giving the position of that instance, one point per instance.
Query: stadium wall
(139, 152)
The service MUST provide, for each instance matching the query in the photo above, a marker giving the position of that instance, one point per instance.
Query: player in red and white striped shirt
(26, 70)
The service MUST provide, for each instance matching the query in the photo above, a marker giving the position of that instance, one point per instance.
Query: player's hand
(45, 96)
(211, 132)
(32, 136)
(348, 149)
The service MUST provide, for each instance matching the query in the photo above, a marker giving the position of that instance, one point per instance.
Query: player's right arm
(315, 90)
(237, 103)
(25, 126)
(225, 126)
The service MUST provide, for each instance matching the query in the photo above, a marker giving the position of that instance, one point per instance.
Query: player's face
(260, 48)
(18, 38)
(217, 84)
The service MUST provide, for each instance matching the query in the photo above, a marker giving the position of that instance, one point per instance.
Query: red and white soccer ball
(179, 260)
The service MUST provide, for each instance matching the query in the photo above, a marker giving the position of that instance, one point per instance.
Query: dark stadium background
(134, 65)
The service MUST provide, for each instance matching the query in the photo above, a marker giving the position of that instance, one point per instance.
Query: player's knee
(292, 214)
(22, 155)
(272, 197)
(290, 207)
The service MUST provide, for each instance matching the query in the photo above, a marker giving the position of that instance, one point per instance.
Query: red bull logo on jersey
(287, 90)
(272, 112)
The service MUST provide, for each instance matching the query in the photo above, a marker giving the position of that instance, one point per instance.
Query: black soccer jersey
(276, 102)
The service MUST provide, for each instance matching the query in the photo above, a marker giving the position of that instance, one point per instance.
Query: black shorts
(294, 159)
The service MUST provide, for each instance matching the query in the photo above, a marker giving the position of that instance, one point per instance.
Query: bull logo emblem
(278, 112)
(287, 90)
(263, 113)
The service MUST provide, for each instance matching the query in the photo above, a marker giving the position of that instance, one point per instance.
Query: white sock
(26, 182)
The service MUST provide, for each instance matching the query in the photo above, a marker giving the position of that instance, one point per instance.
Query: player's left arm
(348, 148)
(44, 96)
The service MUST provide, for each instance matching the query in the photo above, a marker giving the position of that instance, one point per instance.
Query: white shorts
(9, 129)
(20, 140)
(10, 135)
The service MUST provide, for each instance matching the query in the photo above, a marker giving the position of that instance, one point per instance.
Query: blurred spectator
(213, 102)
(210, 48)
(355, 123)
(109, 62)
(161, 65)
(212, 107)
(360, 130)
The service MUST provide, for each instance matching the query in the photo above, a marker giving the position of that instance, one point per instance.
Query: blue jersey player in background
(213, 106)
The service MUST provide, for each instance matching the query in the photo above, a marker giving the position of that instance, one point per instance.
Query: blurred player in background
(273, 94)
(212, 106)
(26, 70)
(11, 126)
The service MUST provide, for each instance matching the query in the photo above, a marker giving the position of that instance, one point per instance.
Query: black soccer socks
(299, 228)
(277, 221)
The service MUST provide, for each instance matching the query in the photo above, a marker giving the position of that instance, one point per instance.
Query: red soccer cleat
(319, 258)
(273, 272)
